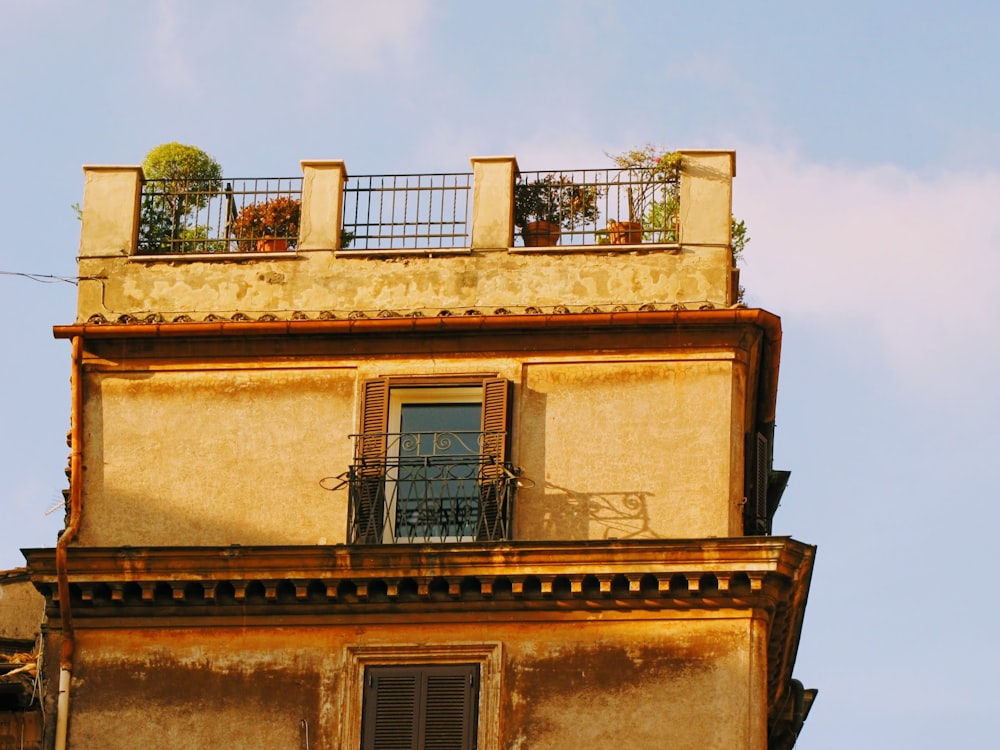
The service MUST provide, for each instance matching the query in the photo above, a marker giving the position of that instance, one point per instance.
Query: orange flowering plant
(277, 218)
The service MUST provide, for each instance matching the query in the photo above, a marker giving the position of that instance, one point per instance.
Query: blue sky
(868, 171)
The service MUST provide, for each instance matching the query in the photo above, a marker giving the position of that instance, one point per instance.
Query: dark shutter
(492, 492)
(389, 718)
(756, 520)
(369, 505)
(427, 707)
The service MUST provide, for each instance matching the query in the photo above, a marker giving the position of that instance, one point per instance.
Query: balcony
(416, 487)
(325, 245)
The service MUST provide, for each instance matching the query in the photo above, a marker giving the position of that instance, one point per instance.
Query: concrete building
(402, 481)
(21, 612)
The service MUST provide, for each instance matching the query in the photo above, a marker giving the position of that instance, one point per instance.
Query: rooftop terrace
(326, 245)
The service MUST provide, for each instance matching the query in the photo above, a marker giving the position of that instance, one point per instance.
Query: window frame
(406, 701)
(369, 523)
(488, 655)
(402, 396)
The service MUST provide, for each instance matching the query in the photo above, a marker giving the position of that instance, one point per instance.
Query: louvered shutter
(391, 708)
(428, 707)
(369, 505)
(756, 518)
(450, 708)
(492, 497)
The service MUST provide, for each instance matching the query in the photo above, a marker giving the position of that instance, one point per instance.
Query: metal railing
(428, 487)
(416, 211)
(596, 207)
(254, 214)
(421, 211)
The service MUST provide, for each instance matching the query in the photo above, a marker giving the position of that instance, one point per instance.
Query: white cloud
(361, 36)
(913, 259)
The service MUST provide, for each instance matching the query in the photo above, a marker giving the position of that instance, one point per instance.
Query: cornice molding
(754, 577)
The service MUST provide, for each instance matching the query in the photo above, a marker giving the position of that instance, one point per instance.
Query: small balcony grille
(428, 487)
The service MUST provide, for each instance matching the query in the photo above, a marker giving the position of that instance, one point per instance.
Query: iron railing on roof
(428, 487)
(597, 207)
(421, 211)
(235, 215)
(415, 211)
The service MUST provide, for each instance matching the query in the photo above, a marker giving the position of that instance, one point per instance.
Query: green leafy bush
(556, 199)
(180, 179)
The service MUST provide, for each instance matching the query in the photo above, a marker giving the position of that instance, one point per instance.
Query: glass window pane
(437, 492)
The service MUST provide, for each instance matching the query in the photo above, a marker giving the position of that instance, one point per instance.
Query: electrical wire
(44, 278)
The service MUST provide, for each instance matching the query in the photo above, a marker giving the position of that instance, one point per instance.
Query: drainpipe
(68, 535)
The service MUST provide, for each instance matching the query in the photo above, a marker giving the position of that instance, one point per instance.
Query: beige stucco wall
(565, 681)
(626, 449)
(314, 282)
(22, 608)
(183, 452)
(224, 456)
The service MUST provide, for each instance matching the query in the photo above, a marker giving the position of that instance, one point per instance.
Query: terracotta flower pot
(271, 245)
(625, 232)
(540, 234)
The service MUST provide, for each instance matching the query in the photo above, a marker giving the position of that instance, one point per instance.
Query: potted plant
(179, 180)
(270, 226)
(545, 206)
(650, 176)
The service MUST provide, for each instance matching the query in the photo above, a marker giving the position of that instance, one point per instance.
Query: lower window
(420, 707)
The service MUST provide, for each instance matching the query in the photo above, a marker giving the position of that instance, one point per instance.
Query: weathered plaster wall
(678, 684)
(317, 281)
(194, 689)
(616, 446)
(223, 456)
(626, 449)
(21, 607)
(565, 682)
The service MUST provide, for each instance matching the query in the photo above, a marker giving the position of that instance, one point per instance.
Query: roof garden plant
(258, 224)
(651, 177)
(554, 200)
(179, 180)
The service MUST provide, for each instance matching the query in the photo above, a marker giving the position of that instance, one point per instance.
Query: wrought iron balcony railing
(429, 487)
(599, 206)
(416, 212)
(424, 211)
(255, 214)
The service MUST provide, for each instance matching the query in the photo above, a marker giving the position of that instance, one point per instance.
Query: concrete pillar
(493, 201)
(707, 197)
(110, 211)
(322, 204)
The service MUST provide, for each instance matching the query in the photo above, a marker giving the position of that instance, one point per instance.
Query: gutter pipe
(68, 647)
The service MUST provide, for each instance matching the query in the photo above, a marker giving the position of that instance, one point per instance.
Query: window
(431, 461)
(485, 659)
(433, 491)
(423, 707)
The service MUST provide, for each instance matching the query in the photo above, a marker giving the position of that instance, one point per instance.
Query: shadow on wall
(574, 514)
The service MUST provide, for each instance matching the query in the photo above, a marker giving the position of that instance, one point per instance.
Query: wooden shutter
(391, 708)
(492, 500)
(757, 459)
(426, 707)
(369, 505)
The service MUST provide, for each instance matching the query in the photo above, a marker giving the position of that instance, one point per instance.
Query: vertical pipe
(68, 535)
